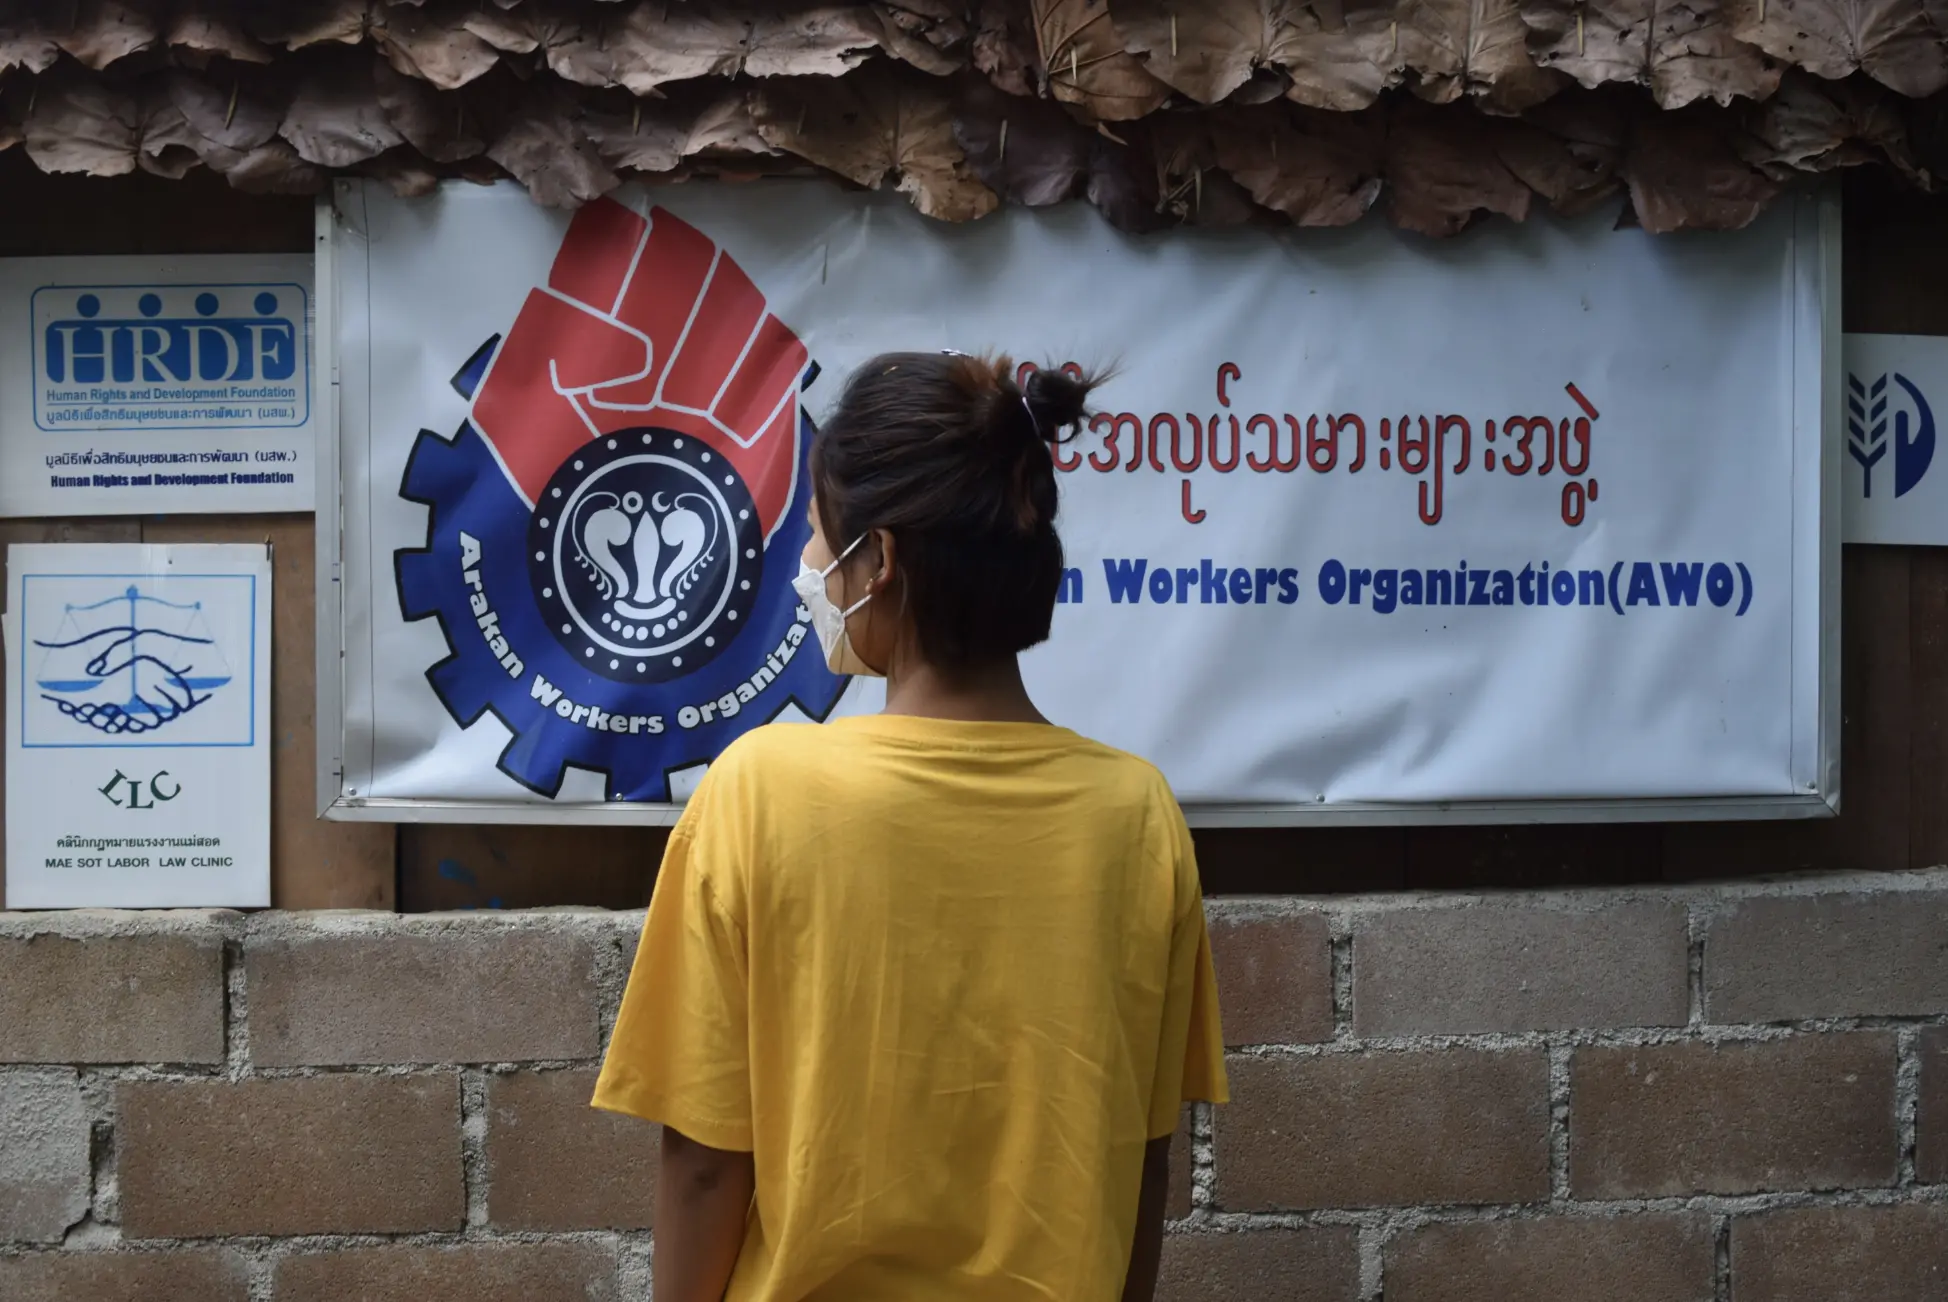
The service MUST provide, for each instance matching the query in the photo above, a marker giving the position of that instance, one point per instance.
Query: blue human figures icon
(130, 663)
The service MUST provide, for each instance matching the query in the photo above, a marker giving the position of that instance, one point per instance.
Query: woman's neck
(991, 693)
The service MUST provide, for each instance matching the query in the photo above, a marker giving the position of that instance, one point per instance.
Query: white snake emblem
(645, 561)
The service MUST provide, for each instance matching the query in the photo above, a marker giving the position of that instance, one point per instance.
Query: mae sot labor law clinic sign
(144, 385)
(138, 722)
(1528, 524)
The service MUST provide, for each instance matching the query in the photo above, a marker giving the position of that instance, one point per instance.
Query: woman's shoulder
(776, 752)
(1140, 784)
(1127, 765)
(1128, 770)
(771, 746)
(756, 771)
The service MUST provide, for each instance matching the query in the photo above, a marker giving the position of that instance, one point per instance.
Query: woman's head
(941, 463)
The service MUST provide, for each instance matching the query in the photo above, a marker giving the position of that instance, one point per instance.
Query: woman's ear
(889, 563)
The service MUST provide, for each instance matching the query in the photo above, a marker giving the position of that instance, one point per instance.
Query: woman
(920, 995)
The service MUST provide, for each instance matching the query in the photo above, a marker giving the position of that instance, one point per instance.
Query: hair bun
(1056, 400)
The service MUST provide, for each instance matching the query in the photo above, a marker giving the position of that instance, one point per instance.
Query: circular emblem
(645, 553)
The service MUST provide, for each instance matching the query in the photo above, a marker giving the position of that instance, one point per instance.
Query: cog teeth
(535, 762)
(437, 466)
(456, 682)
(648, 787)
(419, 589)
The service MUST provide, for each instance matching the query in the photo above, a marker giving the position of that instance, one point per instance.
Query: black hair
(952, 454)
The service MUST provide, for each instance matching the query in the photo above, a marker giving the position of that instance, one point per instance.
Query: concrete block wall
(1722, 1094)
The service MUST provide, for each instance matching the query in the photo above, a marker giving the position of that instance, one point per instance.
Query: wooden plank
(55, 215)
(1270, 860)
(44, 531)
(1894, 274)
(1532, 856)
(455, 866)
(1876, 701)
(314, 864)
(1928, 773)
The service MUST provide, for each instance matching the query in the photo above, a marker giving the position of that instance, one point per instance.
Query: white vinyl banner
(1894, 383)
(145, 385)
(138, 726)
(1367, 525)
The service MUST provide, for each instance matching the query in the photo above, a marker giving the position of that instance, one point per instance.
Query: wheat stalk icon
(1867, 426)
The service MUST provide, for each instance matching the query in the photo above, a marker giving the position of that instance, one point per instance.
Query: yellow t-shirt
(943, 980)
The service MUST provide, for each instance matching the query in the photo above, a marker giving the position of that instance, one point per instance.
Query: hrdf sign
(155, 385)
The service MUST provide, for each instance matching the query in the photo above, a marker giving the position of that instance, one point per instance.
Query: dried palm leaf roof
(1157, 111)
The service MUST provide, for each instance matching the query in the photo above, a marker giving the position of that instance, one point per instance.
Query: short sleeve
(679, 1055)
(1190, 1054)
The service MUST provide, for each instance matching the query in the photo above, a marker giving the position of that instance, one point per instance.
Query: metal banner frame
(1816, 514)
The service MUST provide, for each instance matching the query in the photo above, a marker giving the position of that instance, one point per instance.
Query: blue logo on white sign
(130, 663)
(1867, 430)
(141, 660)
(119, 357)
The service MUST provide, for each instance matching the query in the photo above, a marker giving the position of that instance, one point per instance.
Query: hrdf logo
(613, 530)
(146, 347)
(189, 356)
(1867, 442)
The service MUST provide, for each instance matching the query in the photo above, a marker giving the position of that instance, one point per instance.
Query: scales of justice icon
(131, 663)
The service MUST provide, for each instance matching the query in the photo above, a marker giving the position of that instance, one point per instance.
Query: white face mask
(828, 621)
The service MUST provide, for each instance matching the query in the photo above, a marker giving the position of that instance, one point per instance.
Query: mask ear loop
(840, 560)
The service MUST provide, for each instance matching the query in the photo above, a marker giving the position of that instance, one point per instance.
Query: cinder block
(339, 1154)
(168, 1276)
(485, 1272)
(1384, 1130)
(458, 995)
(43, 1155)
(555, 1163)
(1311, 1265)
(1590, 1259)
(1809, 1112)
(1842, 1254)
(1788, 958)
(1931, 1156)
(1274, 977)
(149, 999)
(1457, 970)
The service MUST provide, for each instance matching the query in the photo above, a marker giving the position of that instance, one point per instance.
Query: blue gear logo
(613, 530)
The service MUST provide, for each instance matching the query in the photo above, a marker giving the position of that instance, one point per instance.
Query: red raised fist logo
(645, 323)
